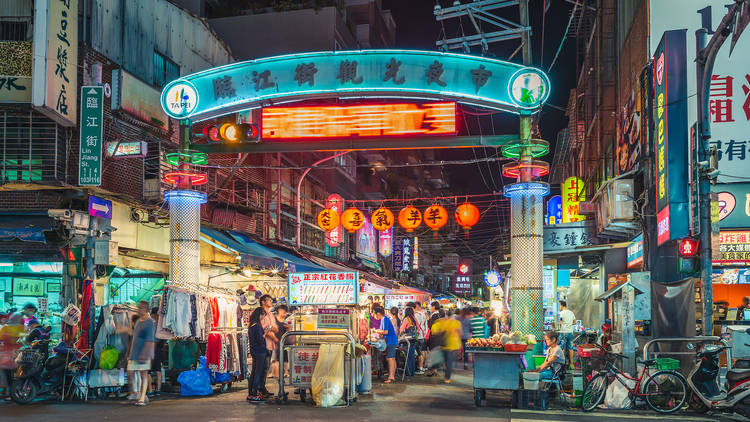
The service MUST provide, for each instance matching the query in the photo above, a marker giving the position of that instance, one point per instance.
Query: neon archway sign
(429, 75)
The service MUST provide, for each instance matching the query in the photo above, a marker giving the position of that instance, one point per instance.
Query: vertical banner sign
(90, 160)
(406, 252)
(398, 255)
(415, 261)
(573, 193)
(335, 236)
(55, 71)
(385, 242)
(671, 137)
(554, 210)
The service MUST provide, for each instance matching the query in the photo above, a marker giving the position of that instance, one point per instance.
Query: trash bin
(531, 380)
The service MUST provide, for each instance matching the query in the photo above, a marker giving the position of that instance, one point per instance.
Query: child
(258, 352)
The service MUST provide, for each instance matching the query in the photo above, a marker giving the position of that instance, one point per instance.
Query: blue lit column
(184, 234)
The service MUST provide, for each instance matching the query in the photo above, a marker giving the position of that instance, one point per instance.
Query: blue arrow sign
(99, 207)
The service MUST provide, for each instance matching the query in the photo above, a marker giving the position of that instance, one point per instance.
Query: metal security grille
(527, 301)
(32, 148)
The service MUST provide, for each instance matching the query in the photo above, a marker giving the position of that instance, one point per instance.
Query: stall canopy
(253, 253)
(611, 292)
(28, 228)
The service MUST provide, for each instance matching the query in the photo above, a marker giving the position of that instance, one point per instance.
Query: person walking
(449, 330)
(258, 350)
(422, 336)
(567, 320)
(142, 351)
(465, 319)
(159, 357)
(434, 313)
(388, 332)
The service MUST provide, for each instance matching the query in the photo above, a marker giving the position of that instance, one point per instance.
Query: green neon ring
(191, 156)
(539, 148)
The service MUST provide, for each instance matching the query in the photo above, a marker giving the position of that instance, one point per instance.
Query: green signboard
(391, 74)
(90, 161)
(28, 286)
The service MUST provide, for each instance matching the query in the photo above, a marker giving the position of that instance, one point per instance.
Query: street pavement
(418, 399)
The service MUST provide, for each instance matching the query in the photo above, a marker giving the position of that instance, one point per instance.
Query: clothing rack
(227, 329)
(203, 288)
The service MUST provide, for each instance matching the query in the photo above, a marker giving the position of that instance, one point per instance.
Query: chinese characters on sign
(734, 247)
(569, 235)
(398, 255)
(16, 89)
(302, 365)
(90, 160)
(323, 288)
(61, 61)
(335, 203)
(406, 254)
(28, 286)
(461, 284)
(333, 318)
(573, 193)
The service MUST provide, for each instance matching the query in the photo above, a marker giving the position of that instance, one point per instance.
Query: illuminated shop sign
(359, 120)
(670, 136)
(130, 149)
(323, 288)
(420, 75)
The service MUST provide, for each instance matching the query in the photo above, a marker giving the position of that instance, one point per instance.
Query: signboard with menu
(461, 284)
(400, 301)
(734, 247)
(323, 288)
(333, 318)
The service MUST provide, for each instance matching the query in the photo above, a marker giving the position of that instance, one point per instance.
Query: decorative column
(526, 216)
(185, 210)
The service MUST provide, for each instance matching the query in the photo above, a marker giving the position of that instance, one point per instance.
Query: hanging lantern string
(426, 199)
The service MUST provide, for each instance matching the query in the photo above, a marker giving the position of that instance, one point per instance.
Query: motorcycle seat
(736, 375)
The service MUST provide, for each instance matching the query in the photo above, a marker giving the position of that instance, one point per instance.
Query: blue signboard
(366, 73)
(554, 210)
(635, 252)
(99, 207)
(398, 254)
(492, 278)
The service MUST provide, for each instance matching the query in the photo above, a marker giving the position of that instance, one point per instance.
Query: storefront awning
(612, 291)
(250, 253)
(578, 250)
(27, 228)
(295, 263)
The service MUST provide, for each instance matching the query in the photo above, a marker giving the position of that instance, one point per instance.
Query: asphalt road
(419, 399)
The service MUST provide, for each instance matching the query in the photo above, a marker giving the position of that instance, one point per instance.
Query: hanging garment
(183, 353)
(213, 351)
(214, 313)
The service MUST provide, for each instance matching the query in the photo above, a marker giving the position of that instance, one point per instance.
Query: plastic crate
(530, 399)
(667, 363)
(515, 347)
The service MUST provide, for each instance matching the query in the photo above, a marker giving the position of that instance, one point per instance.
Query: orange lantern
(382, 219)
(409, 218)
(328, 219)
(435, 217)
(352, 219)
(467, 215)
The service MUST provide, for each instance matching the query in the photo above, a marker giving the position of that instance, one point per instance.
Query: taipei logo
(180, 100)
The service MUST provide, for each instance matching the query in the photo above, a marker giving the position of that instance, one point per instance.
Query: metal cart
(495, 370)
(309, 342)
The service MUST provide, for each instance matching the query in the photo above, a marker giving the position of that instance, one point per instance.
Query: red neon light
(173, 177)
(359, 120)
(537, 170)
(688, 247)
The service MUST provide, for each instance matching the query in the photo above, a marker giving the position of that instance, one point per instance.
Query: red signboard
(335, 236)
(344, 121)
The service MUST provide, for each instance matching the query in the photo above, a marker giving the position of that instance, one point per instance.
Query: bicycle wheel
(666, 391)
(594, 392)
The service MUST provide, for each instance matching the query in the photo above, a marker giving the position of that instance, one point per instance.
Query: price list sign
(333, 318)
(323, 288)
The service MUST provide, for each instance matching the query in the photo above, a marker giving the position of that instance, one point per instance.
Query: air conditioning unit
(615, 215)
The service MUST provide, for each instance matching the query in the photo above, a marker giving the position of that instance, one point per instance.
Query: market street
(419, 399)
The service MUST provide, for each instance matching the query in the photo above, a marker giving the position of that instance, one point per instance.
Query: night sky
(418, 29)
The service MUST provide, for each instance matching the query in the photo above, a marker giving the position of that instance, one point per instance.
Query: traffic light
(230, 132)
(688, 247)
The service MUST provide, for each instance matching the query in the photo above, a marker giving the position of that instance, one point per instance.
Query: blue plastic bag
(197, 382)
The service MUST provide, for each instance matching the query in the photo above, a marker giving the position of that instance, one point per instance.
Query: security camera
(60, 214)
(713, 174)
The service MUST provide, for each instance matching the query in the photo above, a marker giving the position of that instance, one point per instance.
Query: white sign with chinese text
(302, 364)
(323, 288)
(729, 97)
(55, 71)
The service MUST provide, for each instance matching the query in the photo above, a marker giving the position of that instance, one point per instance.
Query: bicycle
(665, 391)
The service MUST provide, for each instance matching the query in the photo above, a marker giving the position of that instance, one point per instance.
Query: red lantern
(382, 219)
(409, 218)
(352, 219)
(435, 217)
(467, 215)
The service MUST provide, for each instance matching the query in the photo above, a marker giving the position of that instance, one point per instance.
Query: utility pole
(705, 56)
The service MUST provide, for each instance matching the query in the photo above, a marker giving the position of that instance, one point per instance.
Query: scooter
(706, 392)
(40, 373)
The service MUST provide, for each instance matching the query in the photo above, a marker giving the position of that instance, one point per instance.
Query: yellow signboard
(573, 193)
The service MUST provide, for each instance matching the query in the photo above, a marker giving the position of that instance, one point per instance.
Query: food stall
(321, 346)
(498, 362)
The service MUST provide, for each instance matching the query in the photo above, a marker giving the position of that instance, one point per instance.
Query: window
(14, 170)
(13, 31)
(165, 70)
